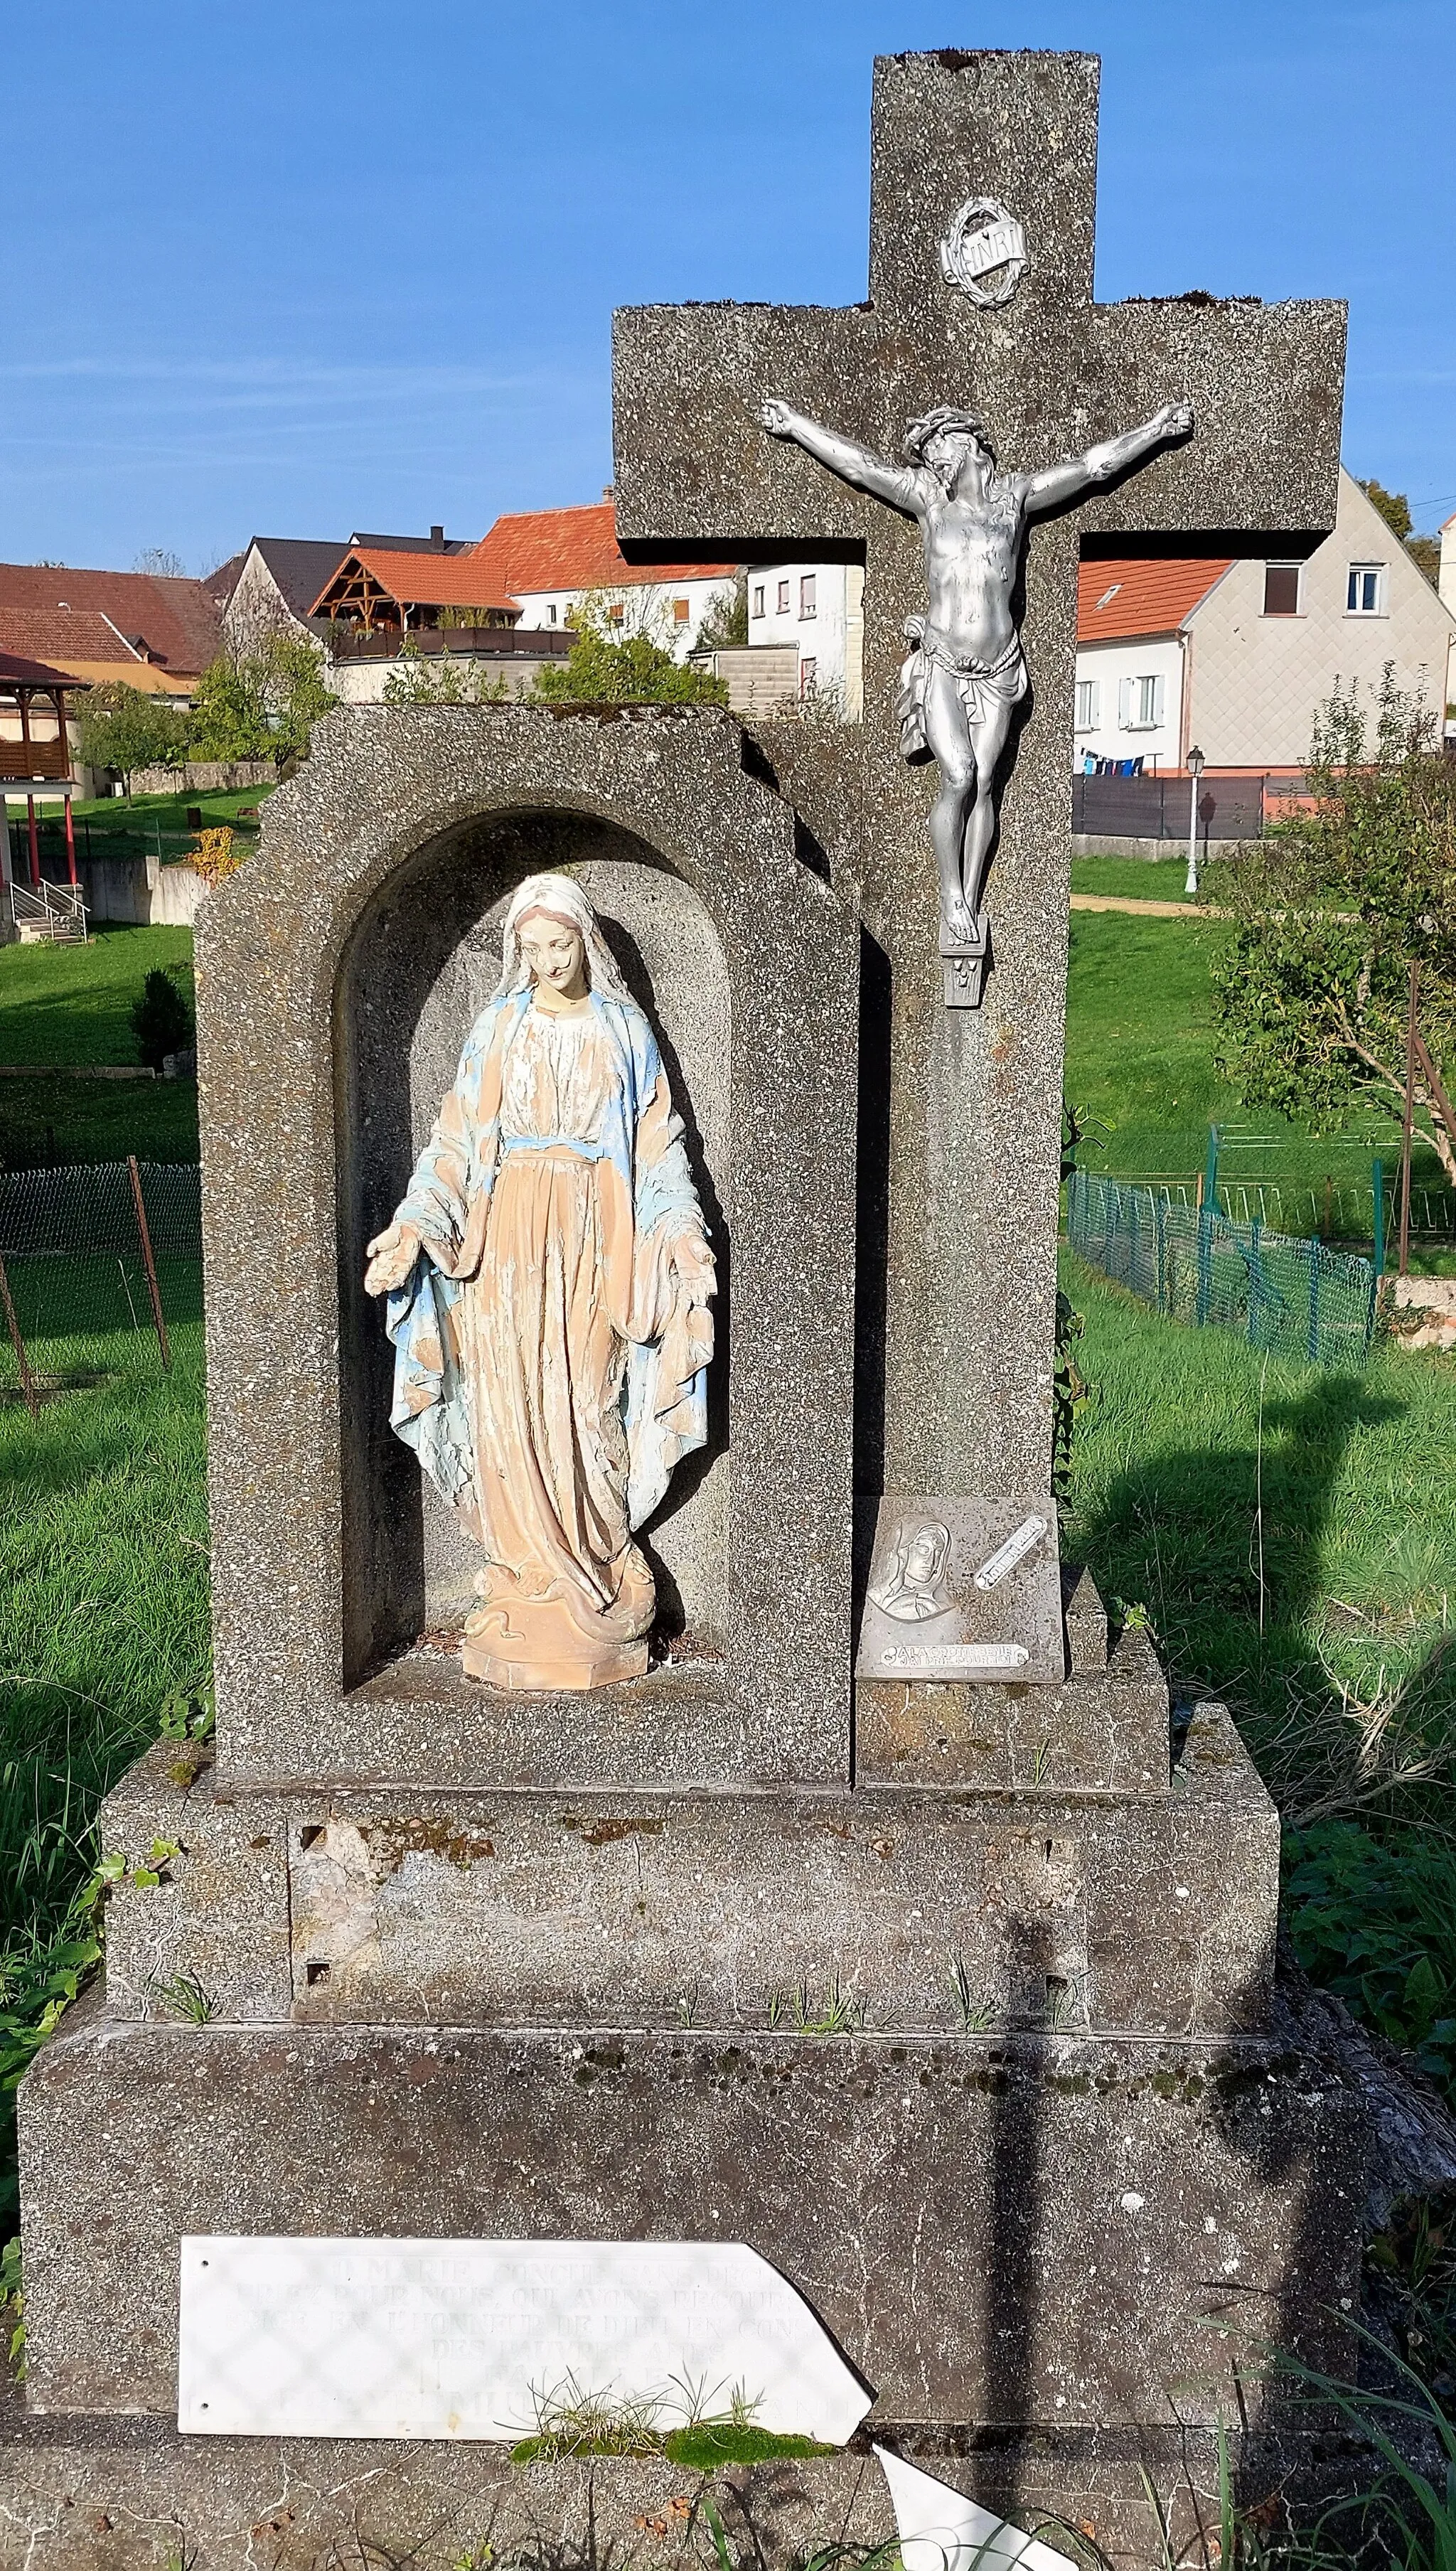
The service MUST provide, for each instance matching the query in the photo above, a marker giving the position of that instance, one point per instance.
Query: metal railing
(49, 910)
(1157, 808)
(1295, 1299)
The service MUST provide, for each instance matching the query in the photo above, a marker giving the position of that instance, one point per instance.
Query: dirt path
(1147, 910)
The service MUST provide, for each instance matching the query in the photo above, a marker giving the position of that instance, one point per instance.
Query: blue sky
(295, 266)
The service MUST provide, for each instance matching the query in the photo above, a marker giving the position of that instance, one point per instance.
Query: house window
(758, 599)
(809, 677)
(551, 616)
(1089, 704)
(1140, 704)
(808, 595)
(1366, 590)
(617, 613)
(1281, 588)
(680, 611)
(784, 598)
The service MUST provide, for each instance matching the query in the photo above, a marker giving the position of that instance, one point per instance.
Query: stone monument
(947, 1989)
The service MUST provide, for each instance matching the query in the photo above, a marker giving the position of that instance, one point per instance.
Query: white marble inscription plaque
(964, 1589)
(942, 2530)
(301, 2338)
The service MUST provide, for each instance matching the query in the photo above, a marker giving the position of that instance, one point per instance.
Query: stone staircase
(48, 915)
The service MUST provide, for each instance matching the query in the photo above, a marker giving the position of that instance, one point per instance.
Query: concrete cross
(959, 1252)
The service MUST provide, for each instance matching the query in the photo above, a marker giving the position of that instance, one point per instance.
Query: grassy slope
(1139, 1058)
(1292, 1536)
(72, 1004)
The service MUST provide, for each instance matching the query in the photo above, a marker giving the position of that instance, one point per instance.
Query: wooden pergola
(37, 759)
(373, 589)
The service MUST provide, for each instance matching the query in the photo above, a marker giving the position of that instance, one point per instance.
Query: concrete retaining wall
(205, 777)
(139, 892)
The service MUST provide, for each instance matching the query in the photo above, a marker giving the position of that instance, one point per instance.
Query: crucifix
(982, 223)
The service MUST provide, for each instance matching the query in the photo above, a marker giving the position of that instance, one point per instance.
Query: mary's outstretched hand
(391, 1254)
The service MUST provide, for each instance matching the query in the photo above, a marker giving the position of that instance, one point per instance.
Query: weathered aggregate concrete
(129, 2494)
(967, 1246)
(1155, 1916)
(344, 947)
(1099, 2230)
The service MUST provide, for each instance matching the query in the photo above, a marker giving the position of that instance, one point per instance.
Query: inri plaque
(964, 1589)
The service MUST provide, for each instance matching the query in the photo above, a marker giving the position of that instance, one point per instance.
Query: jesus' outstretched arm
(1083, 473)
(899, 484)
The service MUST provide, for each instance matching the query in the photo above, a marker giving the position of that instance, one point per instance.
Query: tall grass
(1292, 1536)
(102, 1605)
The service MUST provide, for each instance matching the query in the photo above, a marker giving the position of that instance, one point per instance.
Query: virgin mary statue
(548, 1276)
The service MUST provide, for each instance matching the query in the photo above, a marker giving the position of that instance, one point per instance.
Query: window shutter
(1156, 714)
(1125, 703)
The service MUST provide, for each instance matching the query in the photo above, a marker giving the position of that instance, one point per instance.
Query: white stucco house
(1238, 654)
(819, 608)
(548, 560)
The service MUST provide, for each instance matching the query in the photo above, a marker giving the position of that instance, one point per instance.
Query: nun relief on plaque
(548, 1276)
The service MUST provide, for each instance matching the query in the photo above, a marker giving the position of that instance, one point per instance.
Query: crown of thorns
(944, 417)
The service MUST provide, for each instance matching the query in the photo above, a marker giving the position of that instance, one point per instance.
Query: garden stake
(29, 1393)
(151, 1265)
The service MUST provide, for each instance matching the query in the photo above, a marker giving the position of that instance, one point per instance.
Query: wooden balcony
(28, 758)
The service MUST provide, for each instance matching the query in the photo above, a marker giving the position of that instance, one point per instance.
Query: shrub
(162, 1021)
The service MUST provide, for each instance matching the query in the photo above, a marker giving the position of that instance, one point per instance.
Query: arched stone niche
(421, 966)
(337, 973)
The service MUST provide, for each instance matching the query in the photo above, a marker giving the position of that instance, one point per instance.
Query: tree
(161, 564)
(624, 663)
(259, 705)
(1394, 508)
(1329, 913)
(162, 1021)
(121, 729)
(724, 628)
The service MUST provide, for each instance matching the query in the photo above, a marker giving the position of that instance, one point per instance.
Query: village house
(154, 634)
(549, 560)
(1237, 656)
(815, 610)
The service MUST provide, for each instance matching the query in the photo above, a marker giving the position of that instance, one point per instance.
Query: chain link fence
(1299, 1298)
(95, 1262)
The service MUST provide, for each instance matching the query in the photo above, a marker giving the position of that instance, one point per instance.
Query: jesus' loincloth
(978, 684)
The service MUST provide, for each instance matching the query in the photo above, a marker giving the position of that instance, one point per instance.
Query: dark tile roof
(302, 566)
(414, 544)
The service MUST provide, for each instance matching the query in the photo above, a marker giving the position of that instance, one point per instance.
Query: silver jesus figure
(965, 674)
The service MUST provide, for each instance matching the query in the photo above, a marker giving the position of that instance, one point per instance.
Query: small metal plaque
(984, 251)
(964, 1589)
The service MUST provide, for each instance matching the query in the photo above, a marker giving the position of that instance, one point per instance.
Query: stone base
(1100, 2229)
(924, 1909)
(116, 2494)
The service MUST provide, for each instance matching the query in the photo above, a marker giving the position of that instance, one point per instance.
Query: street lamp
(1196, 769)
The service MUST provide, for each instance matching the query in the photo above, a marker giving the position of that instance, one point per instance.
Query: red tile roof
(539, 550)
(424, 580)
(50, 634)
(175, 619)
(1122, 601)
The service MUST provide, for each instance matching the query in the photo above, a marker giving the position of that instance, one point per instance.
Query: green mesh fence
(1296, 1298)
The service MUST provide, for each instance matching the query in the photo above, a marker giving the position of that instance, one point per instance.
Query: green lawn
(1292, 1538)
(1145, 878)
(72, 1004)
(1141, 1040)
(104, 1614)
(65, 1004)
